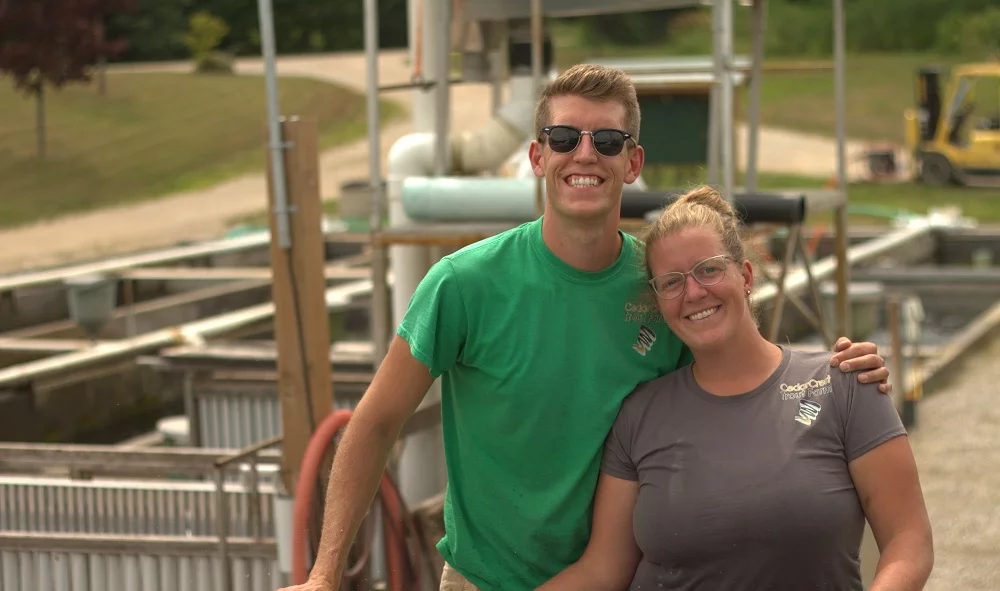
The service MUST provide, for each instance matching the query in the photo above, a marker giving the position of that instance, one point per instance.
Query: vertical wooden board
(300, 306)
(307, 223)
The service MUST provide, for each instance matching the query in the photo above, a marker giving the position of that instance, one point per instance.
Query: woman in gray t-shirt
(756, 466)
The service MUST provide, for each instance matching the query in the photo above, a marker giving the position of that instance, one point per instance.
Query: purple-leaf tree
(50, 43)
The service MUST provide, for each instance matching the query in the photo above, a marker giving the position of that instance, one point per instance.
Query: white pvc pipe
(421, 465)
(472, 152)
(411, 155)
(488, 146)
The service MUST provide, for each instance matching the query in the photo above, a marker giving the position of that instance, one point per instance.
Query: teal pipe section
(458, 199)
(879, 211)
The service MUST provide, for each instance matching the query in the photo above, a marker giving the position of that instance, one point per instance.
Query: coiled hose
(404, 569)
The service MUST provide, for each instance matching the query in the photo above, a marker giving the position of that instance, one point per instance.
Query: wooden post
(301, 329)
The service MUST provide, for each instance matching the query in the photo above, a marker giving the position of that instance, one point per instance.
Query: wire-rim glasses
(708, 272)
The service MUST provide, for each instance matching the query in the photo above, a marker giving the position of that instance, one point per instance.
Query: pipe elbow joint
(471, 152)
(486, 148)
(411, 155)
(519, 115)
(490, 145)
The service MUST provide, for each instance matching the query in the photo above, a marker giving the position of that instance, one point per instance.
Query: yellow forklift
(953, 133)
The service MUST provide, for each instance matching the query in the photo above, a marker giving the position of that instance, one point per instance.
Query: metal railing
(232, 549)
(42, 504)
(93, 562)
(48, 538)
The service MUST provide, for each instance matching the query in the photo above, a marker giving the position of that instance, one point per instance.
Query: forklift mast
(928, 102)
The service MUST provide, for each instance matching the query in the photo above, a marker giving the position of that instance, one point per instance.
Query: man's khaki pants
(452, 580)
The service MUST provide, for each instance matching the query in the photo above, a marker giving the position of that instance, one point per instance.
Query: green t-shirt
(535, 358)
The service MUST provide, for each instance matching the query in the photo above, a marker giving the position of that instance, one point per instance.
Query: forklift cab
(954, 135)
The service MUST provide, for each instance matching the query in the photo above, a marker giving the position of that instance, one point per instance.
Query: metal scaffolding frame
(759, 29)
(77, 355)
(721, 154)
(136, 267)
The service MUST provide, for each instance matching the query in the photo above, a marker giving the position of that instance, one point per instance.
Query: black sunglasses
(608, 142)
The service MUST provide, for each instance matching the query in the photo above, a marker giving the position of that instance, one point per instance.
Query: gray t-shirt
(749, 491)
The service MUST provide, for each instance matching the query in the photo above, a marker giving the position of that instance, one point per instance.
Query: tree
(53, 43)
(155, 30)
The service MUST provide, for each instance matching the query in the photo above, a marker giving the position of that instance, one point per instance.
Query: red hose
(392, 518)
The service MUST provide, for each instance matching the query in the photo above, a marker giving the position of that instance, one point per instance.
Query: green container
(674, 129)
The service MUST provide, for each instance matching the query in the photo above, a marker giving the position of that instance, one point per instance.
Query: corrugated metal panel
(234, 419)
(51, 571)
(38, 504)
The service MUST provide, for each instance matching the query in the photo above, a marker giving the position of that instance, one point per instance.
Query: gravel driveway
(957, 445)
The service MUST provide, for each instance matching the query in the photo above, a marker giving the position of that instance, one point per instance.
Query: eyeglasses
(708, 272)
(608, 142)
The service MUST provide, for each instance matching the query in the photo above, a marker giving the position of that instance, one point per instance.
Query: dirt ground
(202, 214)
(957, 445)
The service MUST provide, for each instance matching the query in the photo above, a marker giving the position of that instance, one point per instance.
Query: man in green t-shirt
(538, 334)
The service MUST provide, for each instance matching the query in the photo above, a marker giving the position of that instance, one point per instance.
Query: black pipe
(519, 47)
(753, 208)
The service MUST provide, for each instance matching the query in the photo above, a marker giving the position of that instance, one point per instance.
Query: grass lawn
(879, 88)
(152, 134)
(980, 204)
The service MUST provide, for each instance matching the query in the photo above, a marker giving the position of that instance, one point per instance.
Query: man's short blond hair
(597, 83)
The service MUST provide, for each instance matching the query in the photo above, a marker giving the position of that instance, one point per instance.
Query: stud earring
(748, 293)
